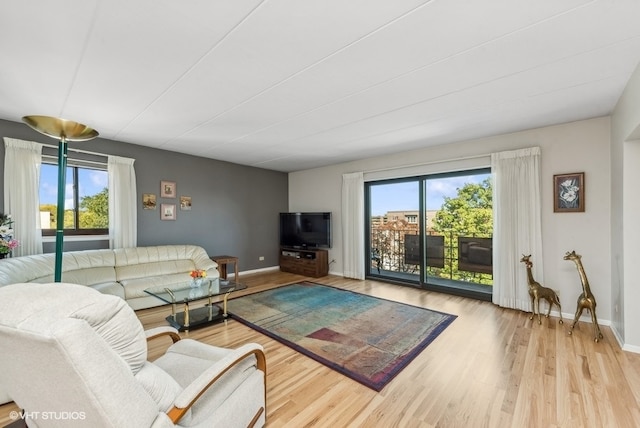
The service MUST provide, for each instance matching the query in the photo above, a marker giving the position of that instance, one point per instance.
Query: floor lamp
(63, 131)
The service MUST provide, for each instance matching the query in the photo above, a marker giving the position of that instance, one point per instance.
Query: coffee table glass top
(189, 294)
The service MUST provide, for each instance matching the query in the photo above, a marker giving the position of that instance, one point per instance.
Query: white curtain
(517, 226)
(22, 161)
(353, 225)
(123, 220)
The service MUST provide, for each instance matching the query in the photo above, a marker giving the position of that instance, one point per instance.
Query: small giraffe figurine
(537, 292)
(586, 300)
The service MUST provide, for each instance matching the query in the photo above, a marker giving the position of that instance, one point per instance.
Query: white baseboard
(584, 318)
(625, 347)
(246, 272)
(631, 348)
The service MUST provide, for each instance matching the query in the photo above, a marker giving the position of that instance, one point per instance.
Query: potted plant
(7, 243)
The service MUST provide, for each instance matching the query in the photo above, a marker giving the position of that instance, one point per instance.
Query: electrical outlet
(261, 258)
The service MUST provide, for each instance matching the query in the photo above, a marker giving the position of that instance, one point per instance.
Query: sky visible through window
(92, 181)
(384, 197)
(404, 196)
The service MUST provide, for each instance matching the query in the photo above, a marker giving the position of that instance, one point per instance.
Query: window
(86, 210)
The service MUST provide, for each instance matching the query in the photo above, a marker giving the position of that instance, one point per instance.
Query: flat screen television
(305, 230)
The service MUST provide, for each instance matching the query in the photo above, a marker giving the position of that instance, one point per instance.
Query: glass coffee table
(193, 318)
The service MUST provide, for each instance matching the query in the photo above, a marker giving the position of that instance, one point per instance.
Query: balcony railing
(450, 256)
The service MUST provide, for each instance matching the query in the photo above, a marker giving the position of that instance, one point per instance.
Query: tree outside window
(86, 200)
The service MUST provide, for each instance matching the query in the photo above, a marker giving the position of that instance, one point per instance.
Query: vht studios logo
(59, 416)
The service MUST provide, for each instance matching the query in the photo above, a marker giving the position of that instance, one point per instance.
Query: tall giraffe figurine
(537, 292)
(586, 300)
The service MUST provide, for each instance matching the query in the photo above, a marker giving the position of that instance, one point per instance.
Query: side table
(223, 261)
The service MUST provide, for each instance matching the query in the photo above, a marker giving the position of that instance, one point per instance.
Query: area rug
(365, 338)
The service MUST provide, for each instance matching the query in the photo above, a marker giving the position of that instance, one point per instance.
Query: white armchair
(73, 356)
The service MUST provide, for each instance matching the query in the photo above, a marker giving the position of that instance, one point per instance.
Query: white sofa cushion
(134, 288)
(155, 269)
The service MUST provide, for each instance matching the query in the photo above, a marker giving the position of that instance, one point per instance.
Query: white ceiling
(294, 84)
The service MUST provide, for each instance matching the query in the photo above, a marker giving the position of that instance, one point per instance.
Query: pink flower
(7, 243)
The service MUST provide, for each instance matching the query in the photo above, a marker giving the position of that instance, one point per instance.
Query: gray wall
(234, 207)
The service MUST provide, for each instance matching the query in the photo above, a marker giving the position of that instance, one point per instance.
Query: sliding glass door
(394, 211)
(434, 231)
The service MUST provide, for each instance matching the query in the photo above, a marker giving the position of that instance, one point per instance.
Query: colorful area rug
(365, 338)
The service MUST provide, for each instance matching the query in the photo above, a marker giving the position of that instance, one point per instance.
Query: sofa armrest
(205, 263)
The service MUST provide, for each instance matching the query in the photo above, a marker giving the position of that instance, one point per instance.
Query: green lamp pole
(63, 130)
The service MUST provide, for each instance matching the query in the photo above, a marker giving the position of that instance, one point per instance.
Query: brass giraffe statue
(586, 300)
(537, 292)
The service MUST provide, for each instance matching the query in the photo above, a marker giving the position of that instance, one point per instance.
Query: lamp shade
(60, 129)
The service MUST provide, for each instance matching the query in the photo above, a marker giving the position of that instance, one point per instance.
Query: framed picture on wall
(168, 212)
(185, 203)
(167, 189)
(568, 193)
(149, 201)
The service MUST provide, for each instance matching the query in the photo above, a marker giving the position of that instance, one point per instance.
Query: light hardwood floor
(490, 368)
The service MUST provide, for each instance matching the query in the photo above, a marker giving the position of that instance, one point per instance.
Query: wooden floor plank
(491, 367)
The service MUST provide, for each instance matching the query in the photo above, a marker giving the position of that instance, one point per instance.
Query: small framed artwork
(168, 211)
(568, 193)
(185, 203)
(148, 201)
(167, 189)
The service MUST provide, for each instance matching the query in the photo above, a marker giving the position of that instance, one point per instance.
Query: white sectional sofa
(124, 272)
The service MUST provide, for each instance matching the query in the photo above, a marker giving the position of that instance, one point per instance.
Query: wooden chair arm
(199, 386)
(154, 333)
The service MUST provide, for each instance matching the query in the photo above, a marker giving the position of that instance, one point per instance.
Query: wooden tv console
(314, 263)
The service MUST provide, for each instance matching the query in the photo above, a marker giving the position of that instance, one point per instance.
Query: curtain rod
(75, 150)
(76, 161)
(428, 163)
